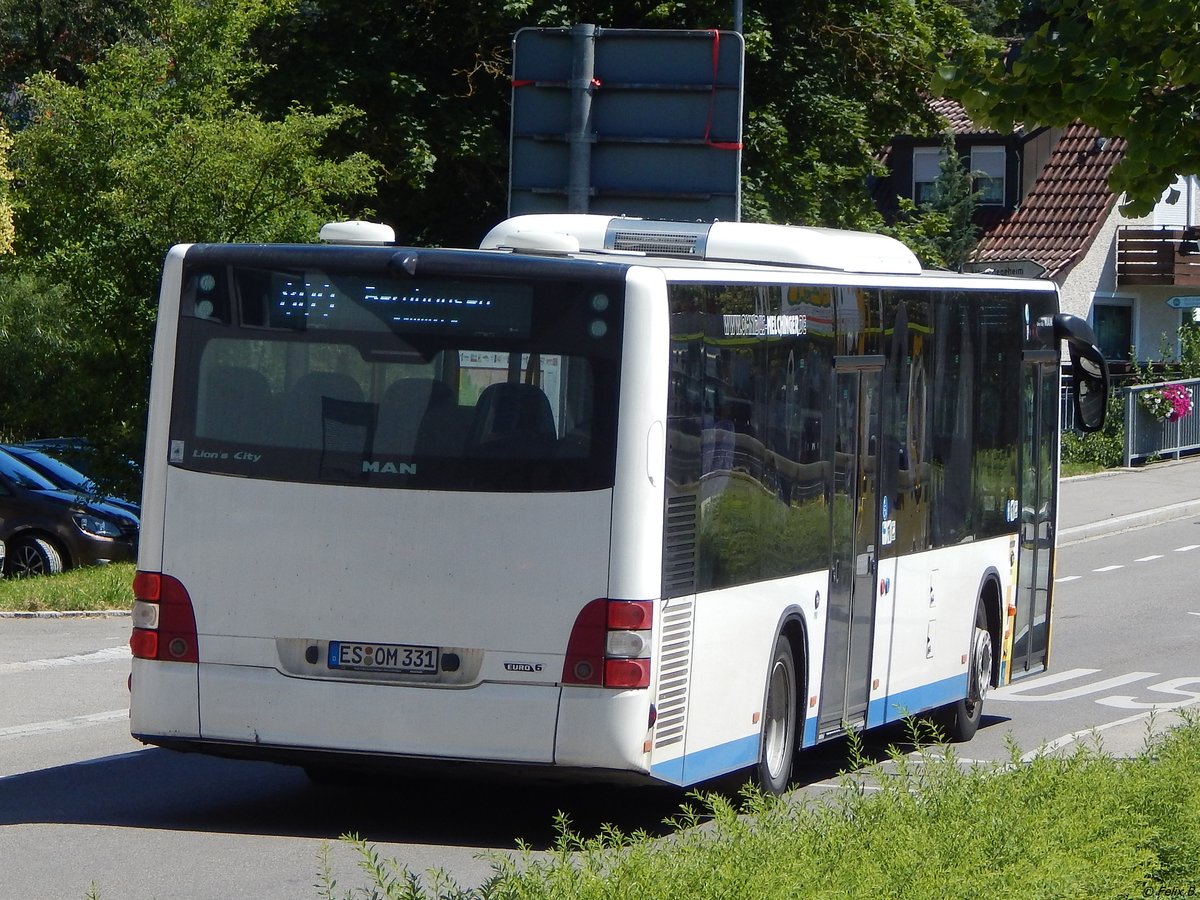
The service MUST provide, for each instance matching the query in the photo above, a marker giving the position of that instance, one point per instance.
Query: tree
(150, 149)
(828, 84)
(1127, 67)
(941, 231)
(6, 211)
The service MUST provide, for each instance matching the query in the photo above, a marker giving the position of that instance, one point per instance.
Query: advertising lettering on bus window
(759, 325)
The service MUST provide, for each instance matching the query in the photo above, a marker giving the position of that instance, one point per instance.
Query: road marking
(111, 654)
(1060, 742)
(56, 725)
(1108, 569)
(1174, 686)
(1149, 558)
(1020, 691)
(1187, 548)
(1067, 578)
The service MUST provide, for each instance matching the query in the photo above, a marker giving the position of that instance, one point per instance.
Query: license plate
(399, 658)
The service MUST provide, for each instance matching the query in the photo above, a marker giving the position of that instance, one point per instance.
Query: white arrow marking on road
(80, 659)
(1019, 692)
(1166, 687)
(55, 725)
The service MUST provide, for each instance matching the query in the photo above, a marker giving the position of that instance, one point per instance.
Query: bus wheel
(777, 746)
(961, 720)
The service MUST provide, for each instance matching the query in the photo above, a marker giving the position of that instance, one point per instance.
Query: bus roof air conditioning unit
(737, 242)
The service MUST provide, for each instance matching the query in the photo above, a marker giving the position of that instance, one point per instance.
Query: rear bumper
(492, 722)
(402, 766)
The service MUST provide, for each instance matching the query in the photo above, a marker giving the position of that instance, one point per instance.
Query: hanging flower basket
(1168, 404)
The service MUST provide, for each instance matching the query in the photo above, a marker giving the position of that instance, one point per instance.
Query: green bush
(1083, 825)
(1104, 448)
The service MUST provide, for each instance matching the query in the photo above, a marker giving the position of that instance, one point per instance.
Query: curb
(1117, 524)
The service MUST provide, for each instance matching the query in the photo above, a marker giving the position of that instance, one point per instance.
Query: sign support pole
(579, 140)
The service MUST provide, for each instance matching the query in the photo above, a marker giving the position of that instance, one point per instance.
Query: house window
(1114, 330)
(987, 167)
(926, 161)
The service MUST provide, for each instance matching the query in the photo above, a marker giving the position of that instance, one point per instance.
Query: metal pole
(579, 139)
(737, 16)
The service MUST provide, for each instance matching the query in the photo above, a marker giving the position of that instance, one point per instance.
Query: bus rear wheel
(777, 746)
(959, 721)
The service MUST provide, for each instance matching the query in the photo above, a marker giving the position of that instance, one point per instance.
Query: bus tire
(777, 744)
(32, 556)
(959, 721)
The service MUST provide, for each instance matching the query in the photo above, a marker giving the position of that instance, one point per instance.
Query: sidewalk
(1120, 499)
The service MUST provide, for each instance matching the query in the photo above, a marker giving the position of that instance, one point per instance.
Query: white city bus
(609, 499)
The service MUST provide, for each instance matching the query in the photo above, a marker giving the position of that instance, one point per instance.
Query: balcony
(1169, 256)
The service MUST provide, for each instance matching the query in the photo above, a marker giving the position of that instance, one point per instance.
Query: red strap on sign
(712, 99)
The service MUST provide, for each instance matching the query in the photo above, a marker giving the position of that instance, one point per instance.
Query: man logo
(389, 468)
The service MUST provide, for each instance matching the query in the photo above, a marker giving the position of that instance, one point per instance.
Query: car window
(22, 475)
(55, 470)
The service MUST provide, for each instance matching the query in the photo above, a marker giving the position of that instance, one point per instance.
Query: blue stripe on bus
(709, 763)
(906, 703)
(743, 752)
(896, 706)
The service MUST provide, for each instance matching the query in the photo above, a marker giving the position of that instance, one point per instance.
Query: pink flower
(1180, 399)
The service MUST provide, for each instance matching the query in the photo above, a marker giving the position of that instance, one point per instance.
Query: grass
(1083, 825)
(1071, 469)
(91, 588)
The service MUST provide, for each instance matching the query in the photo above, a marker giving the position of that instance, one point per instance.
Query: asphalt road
(82, 803)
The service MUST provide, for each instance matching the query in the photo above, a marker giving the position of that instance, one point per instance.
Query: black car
(106, 467)
(66, 477)
(47, 529)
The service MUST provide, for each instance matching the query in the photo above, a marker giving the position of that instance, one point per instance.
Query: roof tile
(1061, 214)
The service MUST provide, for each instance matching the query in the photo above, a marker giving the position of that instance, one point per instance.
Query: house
(1045, 210)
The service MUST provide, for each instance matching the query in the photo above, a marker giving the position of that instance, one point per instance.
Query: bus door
(1030, 629)
(854, 512)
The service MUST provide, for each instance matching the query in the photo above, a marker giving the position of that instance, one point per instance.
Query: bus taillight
(610, 645)
(164, 625)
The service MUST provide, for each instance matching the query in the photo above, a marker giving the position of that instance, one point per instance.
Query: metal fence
(1146, 436)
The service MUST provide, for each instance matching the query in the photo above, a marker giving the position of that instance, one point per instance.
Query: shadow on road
(163, 789)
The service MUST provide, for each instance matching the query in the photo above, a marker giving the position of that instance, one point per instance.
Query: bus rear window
(446, 384)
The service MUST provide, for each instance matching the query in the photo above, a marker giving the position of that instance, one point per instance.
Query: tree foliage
(6, 211)
(151, 148)
(144, 123)
(1127, 67)
(828, 84)
(942, 231)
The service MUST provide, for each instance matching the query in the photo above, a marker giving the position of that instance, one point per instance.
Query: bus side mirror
(1089, 371)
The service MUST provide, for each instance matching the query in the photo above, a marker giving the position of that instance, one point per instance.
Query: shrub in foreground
(1084, 825)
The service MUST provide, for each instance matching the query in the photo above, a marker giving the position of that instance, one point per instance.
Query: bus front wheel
(959, 721)
(777, 746)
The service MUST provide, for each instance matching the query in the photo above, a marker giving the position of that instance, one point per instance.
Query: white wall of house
(1179, 205)
(1096, 271)
(1093, 281)
(1156, 325)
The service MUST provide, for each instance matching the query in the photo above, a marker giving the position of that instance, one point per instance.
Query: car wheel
(32, 556)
